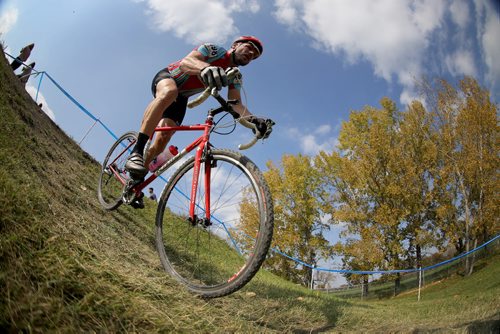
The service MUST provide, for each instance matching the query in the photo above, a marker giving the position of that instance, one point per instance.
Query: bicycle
(214, 221)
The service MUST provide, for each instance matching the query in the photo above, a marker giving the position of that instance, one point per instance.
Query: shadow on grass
(329, 308)
(490, 325)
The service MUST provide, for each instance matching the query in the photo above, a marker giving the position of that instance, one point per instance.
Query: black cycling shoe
(138, 203)
(135, 166)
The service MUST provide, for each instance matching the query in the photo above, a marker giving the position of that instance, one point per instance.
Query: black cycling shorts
(177, 110)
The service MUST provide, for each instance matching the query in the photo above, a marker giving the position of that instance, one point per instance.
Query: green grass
(66, 265)
(457, 302)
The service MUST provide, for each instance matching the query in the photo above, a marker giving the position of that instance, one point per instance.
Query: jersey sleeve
(211, 52)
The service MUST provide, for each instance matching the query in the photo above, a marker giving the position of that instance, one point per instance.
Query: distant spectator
(152, 195)
(25, 74)
(23, 56)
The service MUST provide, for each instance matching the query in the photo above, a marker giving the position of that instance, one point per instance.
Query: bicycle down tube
(199, 143)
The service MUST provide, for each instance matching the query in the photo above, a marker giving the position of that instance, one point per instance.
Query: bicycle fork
(202, 155)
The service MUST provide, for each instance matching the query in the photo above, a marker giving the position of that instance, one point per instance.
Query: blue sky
(322, 58)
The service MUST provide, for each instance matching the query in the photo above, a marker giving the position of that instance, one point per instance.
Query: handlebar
(246, 123)
(249, 125)
(226, 106)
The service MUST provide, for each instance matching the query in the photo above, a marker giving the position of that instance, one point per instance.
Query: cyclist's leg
(164, 95)
(160, 140)
(172, 116)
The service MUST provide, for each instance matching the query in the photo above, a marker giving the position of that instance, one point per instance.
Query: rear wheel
(113, 175)
(215, 257)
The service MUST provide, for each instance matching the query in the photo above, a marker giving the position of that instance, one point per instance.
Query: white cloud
(312, 144)
(323, 129)
(390, 34)
(41, 99)
(408, 95)
(460, 13)
(8, 19)
(309, 144)
(427, 14)
(286, 12)
(199, 20)
(489, 40)
(461, 63)
(252, 6)
(394, 36)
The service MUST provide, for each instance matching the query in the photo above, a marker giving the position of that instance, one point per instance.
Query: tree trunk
(397, 284)
(472, 260)
(468, 219)
(364, 287)
(419, 256)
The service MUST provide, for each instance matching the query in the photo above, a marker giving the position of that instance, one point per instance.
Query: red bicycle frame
(200, 143)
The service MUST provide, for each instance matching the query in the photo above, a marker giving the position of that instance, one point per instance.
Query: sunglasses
(257, 51)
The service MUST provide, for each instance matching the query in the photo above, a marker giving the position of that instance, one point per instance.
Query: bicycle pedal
(129, 195)
(131, 183)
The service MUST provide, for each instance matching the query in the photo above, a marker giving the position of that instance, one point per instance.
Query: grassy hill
(66, 265)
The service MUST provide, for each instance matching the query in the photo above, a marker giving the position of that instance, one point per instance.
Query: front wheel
(217, 256)
(113, 175)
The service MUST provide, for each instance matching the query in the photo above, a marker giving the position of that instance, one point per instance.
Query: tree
(299, 225)
(416, 150)
(361, 255)
(467, 127)
(365, 176)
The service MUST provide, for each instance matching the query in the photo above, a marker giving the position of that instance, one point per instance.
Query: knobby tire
(218, 259)
(110, 189)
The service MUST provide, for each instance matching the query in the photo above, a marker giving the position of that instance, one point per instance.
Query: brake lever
(270, 123)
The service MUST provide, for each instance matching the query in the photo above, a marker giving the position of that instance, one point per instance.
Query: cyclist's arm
(234, 94)
(193, 63)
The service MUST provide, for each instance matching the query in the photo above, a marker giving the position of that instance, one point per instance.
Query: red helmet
(251, 39)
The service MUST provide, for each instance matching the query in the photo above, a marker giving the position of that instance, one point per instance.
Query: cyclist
(203, 67)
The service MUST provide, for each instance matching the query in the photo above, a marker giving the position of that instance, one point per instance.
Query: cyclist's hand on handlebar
(264, 126)
(235, 75)
(214, 76)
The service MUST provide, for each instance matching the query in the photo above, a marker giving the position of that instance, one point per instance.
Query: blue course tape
(345, 271)
(82, 108)
(370, 272)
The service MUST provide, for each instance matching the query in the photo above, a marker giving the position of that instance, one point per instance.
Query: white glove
(214, 76)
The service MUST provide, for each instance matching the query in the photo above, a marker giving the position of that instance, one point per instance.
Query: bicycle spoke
(113, 174)
(217, 258)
